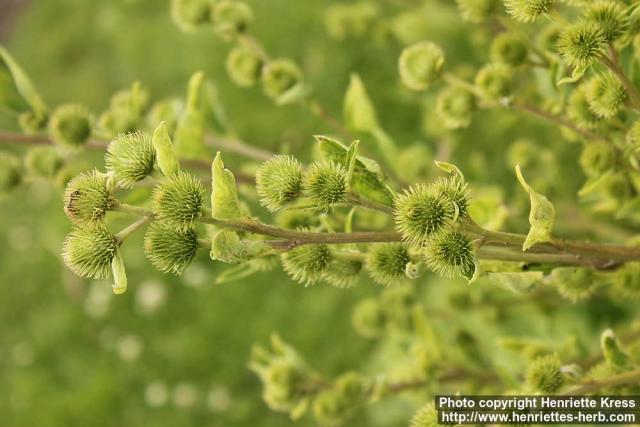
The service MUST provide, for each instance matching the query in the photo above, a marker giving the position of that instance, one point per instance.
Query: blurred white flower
(156, 394)
(150, 296)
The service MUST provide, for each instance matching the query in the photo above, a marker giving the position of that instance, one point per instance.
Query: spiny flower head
(88, 251)
(280, 76)
(386, 263)
(549, 38)
(427, 416)
(597, 158)
(581, 43)
(170, 251)
(579, 110)
(527, 10)
(43, 162)
(494, 81)
(544, 374)
(455, 189)
(177, 201)
(610, 17)
(632, 145)
(325, 184)
(450, 253)
(420, 65)
(278, 181)
(190, 14)
(10, 172)
(131, 157)
(306, 263)
(343, 274)
(230, 18)
(510, 49)
(71, 125)
(573, 283)
(422, 211)
(244, 66)
(477, 10)
(455, 106)
(606, 95)
(87, 198)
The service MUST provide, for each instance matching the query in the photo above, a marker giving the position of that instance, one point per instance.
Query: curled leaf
(119, 274)
(541, 217)
(224, 195)
(166, 158)
(576, 75)
(227, 246)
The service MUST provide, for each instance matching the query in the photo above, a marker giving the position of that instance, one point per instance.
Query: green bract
(422, 211)
(278, 181)
(130, 157)
(420, 65)
(178, 201)
(305, 264)
(71, 125)
(325, 184)
(386, 263)
(170, 251)
(88, 251)
(87, 198)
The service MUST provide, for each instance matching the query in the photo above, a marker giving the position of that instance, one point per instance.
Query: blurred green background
(173, 351)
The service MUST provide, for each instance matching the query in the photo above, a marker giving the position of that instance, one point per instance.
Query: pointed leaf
(224, 195)
(359, 112)
(9, 69)
(166, 158)
(541, 217)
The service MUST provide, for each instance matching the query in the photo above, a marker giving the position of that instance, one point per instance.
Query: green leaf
(293, 95)
(166, 158)
(350, 159)
(449, 168)
(16, 90)
(576, 75)
(119, 274)
(541, 217)
(227, 246)
(517, 282)
(359, 112)
(189, 135)
(224, 195)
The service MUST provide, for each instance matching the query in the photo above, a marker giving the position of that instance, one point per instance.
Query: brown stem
(591, 386)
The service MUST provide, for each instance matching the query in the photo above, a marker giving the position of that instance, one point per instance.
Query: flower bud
(88, 251)
(386, 263)
(549, 37)
(422, 211)
(478, 10)
(420, 65)
(170, 251)
(495, 81)
(626, 280)
(130, 157)
(509, 49)
(32, 123)
(343, 274)
(597, 158)
(305, 264)
(455, 189)
(451, 253)
(325, 184)
(581, 43)
(344, 21)
(178, 201)
(455, 106)
(10, 172)
(544, 374)
(427, 416)
(71, 125)
(606, 95)
(244, 66)
(43, 162)
(368, 318)
(190, 14)
(230, 18)
(278, 181)
(610, 17)
(116, 121)
(87, 198)
(573, 283)
(527, 10)
(279, 77)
